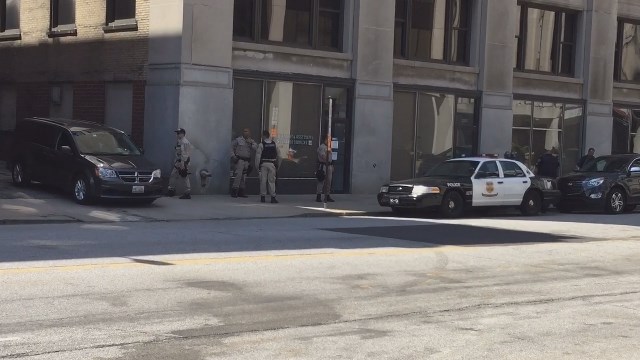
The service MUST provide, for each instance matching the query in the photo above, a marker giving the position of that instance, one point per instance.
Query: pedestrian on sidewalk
(585, 159)
(180, 171)
(241, 149)
(324, 174)
(267, 162)
(548, 164)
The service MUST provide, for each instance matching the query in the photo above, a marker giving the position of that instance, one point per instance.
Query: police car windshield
(103, 142)
(462, 168)
(605, 165)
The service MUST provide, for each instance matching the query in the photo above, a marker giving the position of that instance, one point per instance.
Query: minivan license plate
(137, 189)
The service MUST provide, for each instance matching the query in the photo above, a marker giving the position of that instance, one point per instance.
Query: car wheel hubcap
(616, 201)
(17, 173)
(532, 203)
(80, 189)
(452, 205)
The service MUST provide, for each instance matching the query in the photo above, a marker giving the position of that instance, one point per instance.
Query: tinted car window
(103, 142)
(606, 164)
(454, 168)
(511, 169)
(44, 134)
(65, 140)
(489, 167)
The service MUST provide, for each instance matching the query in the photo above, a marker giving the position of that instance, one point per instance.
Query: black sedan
(457, 184)
(608, 183)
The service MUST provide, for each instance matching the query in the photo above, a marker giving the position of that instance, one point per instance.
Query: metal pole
(329, 138)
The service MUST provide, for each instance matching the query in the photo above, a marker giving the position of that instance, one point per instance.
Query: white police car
(456, 184)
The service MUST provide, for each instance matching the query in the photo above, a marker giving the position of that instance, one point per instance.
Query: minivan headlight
(104, 173)
(156, 174)
(594, 182)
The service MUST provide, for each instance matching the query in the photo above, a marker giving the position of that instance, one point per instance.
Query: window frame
(617, 62)
(449, 29)
(58, 30)
(116, 25)
(5, 33)
(256, 36)
(557, 44)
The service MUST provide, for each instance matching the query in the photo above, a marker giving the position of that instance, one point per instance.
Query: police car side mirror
(66, 150)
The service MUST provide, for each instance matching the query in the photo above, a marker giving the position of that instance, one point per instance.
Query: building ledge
(546, 77)
(626, 85)
(63, 31)
(436, 66)
(246, 46)
(10, 35)
(121, 26)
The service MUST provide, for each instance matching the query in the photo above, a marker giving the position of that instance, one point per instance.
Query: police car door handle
(525, 182)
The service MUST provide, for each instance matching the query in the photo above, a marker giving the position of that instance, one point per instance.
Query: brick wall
(89, 101)
(32, 99)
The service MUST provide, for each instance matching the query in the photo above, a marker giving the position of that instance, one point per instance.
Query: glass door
(340, 135)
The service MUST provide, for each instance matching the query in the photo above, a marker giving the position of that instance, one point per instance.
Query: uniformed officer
(181, 165)
(241, 149)
(267, 162)
(548, 164)
(325, 164)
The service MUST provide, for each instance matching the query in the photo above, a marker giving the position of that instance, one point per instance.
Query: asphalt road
(322, 288)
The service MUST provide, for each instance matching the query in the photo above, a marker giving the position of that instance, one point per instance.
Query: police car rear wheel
(531, 204)
(452, 205)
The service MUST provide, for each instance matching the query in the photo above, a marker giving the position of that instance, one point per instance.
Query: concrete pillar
(600, 40)
(498, 22)
(373, 115)
(190, 86)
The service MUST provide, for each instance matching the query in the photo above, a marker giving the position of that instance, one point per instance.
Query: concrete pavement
(37, 204)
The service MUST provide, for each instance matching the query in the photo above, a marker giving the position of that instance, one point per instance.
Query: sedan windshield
(605, 165)
(103, 142)
(463, 168)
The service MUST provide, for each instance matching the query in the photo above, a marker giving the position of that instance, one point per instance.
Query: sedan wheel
(616, 202)
(452, 205)
(18, 177)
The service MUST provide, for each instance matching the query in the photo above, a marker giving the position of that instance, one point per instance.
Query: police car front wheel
(452, 205)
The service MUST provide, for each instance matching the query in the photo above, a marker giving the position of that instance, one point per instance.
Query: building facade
(406, 83)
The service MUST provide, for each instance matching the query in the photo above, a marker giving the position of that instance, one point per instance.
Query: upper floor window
(546, 40)
(121, 15)
(433, 30)
(305, 23)
(627, 61)
(9, 15)
(63, 15)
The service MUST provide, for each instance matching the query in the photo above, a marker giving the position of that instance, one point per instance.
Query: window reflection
(287, 21)
(404, 106)
(434, 131)
(630, 46)
(243, 11)
(539, 41)
(621, 131)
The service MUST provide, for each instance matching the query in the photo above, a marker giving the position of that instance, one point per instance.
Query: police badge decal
(489, 190)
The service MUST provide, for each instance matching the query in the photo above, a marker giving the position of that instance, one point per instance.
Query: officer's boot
(185, 196)
(171, 192)
(242, 194)
(234, 193)
(328, 199)
(262, 199)
(273, 200)
(318, 198)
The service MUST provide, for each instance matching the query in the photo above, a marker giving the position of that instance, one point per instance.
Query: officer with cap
(267, 162)
(241, 148)
(180, 170)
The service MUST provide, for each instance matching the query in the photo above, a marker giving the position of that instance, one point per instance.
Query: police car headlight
(384, 189)
(156, 174)
(594, 182)
(106, 173)
(421, 190)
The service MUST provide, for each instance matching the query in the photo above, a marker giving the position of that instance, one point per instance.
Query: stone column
(190, 86)
(601, 32)
(373, 115)
(498, 24)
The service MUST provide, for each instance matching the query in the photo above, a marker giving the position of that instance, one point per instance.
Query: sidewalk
(36, 205)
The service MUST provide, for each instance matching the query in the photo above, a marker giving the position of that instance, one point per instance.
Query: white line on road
(9, 339)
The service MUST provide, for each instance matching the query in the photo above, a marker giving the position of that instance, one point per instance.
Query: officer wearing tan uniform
(267, 162)
(180, 170)
(325, 164)
(241, 149)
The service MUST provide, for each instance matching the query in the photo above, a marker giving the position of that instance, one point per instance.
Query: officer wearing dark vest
(267, 162)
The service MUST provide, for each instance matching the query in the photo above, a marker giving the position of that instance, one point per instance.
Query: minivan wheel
(18, 176)
(81, 190)
(616, 201)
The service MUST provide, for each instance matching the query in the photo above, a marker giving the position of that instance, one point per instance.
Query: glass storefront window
(627, 63)
(540, 127)
(626, 126)
(402, 145)
(443, 127)
(434, 131)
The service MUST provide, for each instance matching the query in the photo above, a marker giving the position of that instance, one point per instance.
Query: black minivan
(90, 160)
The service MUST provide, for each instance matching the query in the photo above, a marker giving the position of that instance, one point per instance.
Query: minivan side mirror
(66, 150)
